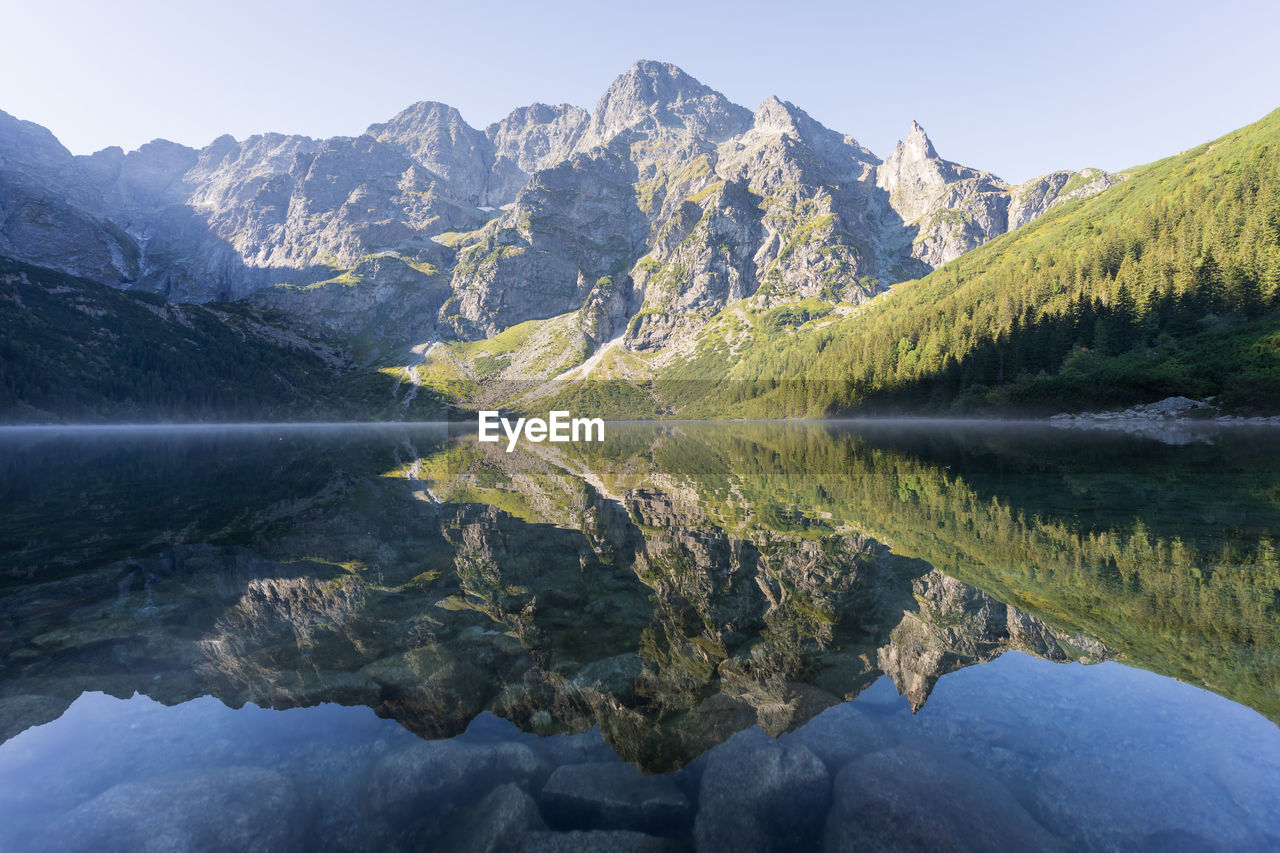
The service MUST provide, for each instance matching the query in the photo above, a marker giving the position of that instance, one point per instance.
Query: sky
(1017, 88)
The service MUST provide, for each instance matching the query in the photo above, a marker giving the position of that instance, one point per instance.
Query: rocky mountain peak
(152, 175)
(539, 135)
(225, 142)
(163, 150)
(914, 173)
(25, 144)
(652, 83)
(657, 95)
(916, 145)
(783, 136)
(436, 136)
(780, 116)
(420, 118)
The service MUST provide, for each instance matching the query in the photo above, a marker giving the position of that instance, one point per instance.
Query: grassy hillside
(74, 350)
(1166, 284)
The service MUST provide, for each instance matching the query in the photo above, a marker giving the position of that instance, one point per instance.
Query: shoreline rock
(1173, 420)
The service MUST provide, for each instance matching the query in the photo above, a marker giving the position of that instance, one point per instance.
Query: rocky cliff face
(953, 208)
(1034, 198)
(538, 136)
(646, 216)
(48, 209)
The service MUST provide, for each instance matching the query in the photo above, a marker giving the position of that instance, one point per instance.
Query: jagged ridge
(646, 216)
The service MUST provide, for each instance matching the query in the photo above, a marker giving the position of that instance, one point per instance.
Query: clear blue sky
(1016, 88)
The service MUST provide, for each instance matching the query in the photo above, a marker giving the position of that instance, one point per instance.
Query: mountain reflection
(673, 585)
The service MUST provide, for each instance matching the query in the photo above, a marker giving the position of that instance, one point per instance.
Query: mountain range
(494, 266)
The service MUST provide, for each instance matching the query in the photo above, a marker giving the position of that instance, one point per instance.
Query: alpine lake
(712, 636)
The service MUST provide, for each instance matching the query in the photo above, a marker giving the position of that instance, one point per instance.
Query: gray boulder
(761, 794)
(430, 777)
(496, 824)
(597, 841)
(232, 808)
(614, 796)
(910, 799)
(1124, 802)
(841, 734)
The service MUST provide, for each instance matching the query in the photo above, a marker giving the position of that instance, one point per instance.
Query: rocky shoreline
(1174, 420)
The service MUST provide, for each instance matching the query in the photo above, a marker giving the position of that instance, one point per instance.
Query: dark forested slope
(74, 350)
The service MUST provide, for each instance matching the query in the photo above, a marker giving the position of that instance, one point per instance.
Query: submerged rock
(586, 748)
(614, 796)
(496, 824)
(231, 808)
(1123, 802)
(760, 794)
(433, 692)
(909, 799)
(598, 841)
(841, 734)
(421, 782)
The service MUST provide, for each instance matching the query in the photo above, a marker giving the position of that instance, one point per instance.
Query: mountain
(956, 208)
(626, 229)
(1167, 284)
(75, 350)
(673, 253)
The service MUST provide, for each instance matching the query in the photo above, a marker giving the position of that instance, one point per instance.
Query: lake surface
(857, 636)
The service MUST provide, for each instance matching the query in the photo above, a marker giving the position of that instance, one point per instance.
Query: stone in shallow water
(910, 799)
(496, 824)
(596, 841)
(614, 796)
(231, 808)
(841, 734)
(760, 794)
(1141, 802)
(586, 748)
(428, 777)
